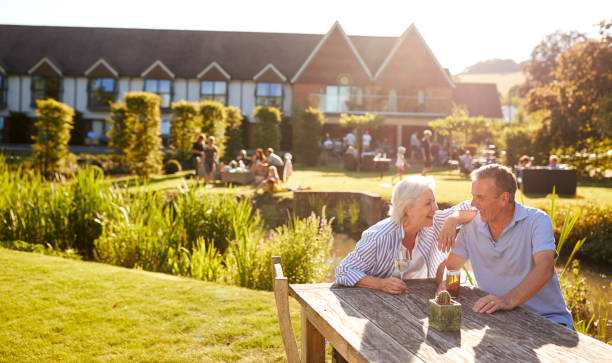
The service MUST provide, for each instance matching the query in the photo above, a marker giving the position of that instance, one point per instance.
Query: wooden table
(366, 325)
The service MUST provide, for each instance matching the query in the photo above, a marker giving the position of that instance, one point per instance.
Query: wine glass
(401, 260)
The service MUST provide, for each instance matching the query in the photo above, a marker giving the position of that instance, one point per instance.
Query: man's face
(487, 199)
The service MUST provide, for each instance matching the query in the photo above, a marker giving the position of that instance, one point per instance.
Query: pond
(598, 278)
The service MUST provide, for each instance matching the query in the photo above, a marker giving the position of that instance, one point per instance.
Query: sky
(459, 33)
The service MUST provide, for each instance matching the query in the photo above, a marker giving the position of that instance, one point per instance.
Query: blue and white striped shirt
(373, 254)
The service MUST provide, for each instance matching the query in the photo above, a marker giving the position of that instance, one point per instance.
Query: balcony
(388, 105)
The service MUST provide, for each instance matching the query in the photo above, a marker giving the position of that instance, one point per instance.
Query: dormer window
(46, 87)
(214, 91)
(101, 91)
(269, 94)
(161, 87)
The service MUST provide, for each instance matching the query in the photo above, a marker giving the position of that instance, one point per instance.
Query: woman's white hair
(405, 194)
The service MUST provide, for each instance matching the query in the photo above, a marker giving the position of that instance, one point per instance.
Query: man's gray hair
(502, 175)
(405, 194)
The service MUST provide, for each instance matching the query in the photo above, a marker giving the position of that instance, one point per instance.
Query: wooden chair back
(281, 295)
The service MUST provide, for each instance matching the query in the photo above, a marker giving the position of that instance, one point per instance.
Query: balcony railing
(392, 105)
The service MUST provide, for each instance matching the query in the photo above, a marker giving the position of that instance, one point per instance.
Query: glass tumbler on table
(453, 279)
(401, 260)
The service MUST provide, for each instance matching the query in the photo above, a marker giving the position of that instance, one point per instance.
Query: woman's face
(423, 210)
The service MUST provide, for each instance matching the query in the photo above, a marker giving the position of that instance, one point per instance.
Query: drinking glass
(453, 278)
(401, 260)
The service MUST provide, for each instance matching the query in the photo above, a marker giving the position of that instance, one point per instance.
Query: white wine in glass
(401, 261)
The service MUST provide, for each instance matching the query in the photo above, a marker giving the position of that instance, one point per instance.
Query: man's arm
(452, 262)
(540, 274)
(391, 285)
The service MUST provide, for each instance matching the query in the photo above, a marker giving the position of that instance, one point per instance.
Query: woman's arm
(446, 221)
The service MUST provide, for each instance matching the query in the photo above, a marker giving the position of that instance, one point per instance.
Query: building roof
(481, 99)
(184, 52)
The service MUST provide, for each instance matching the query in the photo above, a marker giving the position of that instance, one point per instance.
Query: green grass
(58, 309)
(451, 187)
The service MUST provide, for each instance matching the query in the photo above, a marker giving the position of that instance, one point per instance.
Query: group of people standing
(205, 158)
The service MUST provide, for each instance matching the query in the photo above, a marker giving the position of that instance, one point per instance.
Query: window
(3, 84)
(215, 91)
(343, 98)
(269, 94)
(46, 87)
(161, 87)
(101, 91)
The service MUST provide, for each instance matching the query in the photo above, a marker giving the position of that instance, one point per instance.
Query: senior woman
(415, 226)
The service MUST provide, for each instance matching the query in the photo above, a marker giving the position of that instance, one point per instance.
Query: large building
(88, 67)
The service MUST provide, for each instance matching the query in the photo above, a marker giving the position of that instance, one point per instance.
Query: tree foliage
(214, 119)
(309, 123)
(233, 132)
(53, 134)
(185, 127)
(360, 123)
(539, 69)
(267, 132)
(582, 80)
(119, 138)
(143, 124)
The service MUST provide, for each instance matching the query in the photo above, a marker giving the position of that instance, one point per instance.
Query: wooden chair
(281, 294)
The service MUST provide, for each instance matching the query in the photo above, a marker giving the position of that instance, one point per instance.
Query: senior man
(512, 250)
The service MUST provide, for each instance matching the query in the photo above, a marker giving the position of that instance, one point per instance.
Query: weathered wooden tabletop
(366, 325)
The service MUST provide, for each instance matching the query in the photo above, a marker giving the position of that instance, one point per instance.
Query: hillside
(55, 309)
(504, 81)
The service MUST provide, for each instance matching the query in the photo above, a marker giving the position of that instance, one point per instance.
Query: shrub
(233, 133)
(143, 120)
(172, 166)
(185, 126)
(267, 132)
(595, 160)
(214, 123)
(206, 262)
(120, 137)
(309, 123)
(286, 130)
(53, 133)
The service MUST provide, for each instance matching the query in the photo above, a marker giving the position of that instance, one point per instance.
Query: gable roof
(45, 61)
(157, 65)
(481, 99)
(335, 28)
(270, 68)
(102, 63)
(216, 66)
(398, 44)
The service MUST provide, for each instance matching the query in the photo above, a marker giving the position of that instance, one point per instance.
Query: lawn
(451, 187)
(54, 309)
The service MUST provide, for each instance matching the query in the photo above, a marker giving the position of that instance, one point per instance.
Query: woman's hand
(393, 285)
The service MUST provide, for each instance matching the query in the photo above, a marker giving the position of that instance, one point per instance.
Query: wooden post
(313, 343)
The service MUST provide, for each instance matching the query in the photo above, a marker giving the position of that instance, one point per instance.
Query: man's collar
(520, 213)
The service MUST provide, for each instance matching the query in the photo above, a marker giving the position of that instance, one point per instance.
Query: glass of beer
(453, 278)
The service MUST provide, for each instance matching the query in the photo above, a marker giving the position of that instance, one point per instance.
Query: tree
(360, 123)
(214, 122)
(539, 69)
(233, 132)
(53, 134)
(119, 138)
(185, 126)
(143, 120)
(582, 82)
(267, 132)
(309, 123)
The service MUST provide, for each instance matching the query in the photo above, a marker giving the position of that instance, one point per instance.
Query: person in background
(400, 163)
(271, 183)
(553, 162)
(465, 163)
(288, 169)
(246, 161)
(349, 139)
(274, 159)
(197, 154)
(211, 159)
(426, 152)
(366, 140)
(511, 248)
(415, 227)
(259, 165)
(415, 146)
(525, 161)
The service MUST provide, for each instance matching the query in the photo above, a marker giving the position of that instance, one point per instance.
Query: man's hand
(393, 286)
(490, 304)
